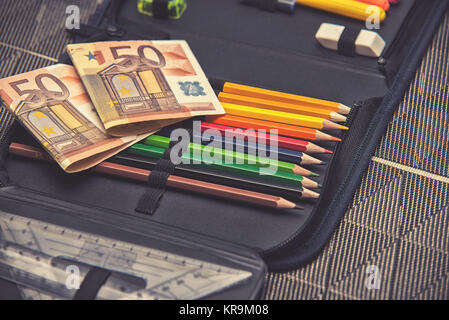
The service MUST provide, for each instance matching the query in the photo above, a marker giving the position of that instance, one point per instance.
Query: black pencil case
(275, 51)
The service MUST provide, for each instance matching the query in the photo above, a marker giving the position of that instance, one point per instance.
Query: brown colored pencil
(176, 182)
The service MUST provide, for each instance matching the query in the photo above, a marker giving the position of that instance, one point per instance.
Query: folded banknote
(136, 86)
(53, 106)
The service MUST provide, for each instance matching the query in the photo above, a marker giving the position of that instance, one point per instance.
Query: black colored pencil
(219, 177)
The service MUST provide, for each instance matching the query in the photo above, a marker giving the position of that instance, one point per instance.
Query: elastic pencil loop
(164, 165)
(346, 43)
(157, 182)
(92, 283)
(268, 5)
(160, 9)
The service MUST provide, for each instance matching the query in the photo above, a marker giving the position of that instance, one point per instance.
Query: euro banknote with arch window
(53, 106)
(136, 85)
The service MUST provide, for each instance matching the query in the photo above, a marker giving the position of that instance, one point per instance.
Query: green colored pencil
(247, 170)
(237, 157)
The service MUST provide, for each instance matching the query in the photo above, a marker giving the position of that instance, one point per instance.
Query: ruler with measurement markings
(36, 256)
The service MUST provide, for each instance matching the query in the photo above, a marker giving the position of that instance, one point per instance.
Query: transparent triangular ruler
(37, 256)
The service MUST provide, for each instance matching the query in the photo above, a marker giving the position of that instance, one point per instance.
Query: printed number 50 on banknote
(136, 86)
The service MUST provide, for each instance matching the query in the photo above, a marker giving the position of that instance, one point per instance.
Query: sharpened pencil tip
(328, 151)
(323, 163)
(335, 139)
(320, 185)
(344, 109)
(298, 207)
(313, 174)
(344, 128)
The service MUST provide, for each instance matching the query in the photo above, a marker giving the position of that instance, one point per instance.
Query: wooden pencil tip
(306, 159)
(344, 109)
(337, 117)
(329, 125)
(308, 194)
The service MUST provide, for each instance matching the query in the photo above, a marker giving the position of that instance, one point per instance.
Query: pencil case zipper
(403, 33)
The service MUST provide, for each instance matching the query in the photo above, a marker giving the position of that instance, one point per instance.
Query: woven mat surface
(398, 221)
(397, 226)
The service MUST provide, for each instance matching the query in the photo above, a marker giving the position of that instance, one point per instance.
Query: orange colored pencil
(260, 93)
(384, 4)
(281, 106)
(283, 129)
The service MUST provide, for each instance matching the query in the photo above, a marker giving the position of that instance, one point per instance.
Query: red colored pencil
(283, 142)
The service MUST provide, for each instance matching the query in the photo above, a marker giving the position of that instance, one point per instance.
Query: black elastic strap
(92, 283)
(157, 182)
(149, 201)
(269, 5)
(346, 43)
(160, 9)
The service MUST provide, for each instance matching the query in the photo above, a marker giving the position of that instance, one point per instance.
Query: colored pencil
(173, 181)
(283, 142)
(260, 93)
(220, 177)
(283, 129)
(384, 4)
(282, 117)
(237, 157)
(251, 171)
(282, 154)
(348, 8)
(280, 106)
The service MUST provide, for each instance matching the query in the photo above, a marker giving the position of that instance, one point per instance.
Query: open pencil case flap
(131, 239)
(271, 50)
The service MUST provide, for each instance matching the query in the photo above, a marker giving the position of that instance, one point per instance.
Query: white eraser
(368, 43)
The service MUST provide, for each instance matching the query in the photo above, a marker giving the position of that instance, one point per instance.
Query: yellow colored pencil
(348, 8)
(280, 106)
(281, 117)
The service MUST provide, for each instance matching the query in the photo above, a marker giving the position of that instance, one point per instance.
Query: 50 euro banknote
(53, 106)
(136, 86)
